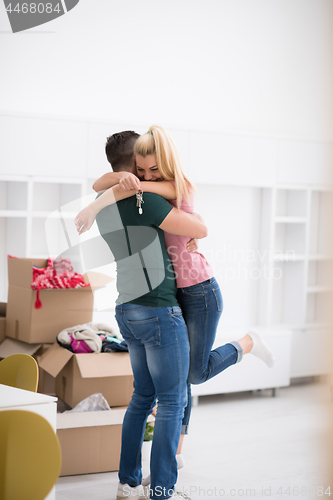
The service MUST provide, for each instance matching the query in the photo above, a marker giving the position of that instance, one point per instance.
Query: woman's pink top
(190, 268)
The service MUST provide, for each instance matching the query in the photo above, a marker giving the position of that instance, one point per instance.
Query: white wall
(253, 66)
(239, 68)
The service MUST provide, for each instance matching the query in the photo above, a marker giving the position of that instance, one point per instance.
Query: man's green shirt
(145, 275)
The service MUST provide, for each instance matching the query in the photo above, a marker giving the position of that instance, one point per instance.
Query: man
(151, 322)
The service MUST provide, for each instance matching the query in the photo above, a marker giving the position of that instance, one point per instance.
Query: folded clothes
(80, 346)
(92, 334)
(114, 347)
(109, 338)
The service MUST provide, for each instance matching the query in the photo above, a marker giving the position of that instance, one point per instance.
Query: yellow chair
(30, 456)
(19, 370)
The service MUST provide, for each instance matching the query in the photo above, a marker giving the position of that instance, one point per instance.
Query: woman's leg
(202, 307)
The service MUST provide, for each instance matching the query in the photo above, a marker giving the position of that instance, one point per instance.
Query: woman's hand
(129, 181)
(85, 219)
(192, 245)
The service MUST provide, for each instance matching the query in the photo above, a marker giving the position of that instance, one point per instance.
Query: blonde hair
(158, 142)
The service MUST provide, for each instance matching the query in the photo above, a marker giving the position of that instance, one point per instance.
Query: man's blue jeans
(159, 350)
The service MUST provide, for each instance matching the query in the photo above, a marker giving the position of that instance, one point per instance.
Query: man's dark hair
(119, 149)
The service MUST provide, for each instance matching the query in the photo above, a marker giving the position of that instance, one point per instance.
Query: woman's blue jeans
(159, 350)
(202, 307)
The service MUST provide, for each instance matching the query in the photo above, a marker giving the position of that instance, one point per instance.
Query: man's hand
(192, 245)
(85, 219)
(129, 181)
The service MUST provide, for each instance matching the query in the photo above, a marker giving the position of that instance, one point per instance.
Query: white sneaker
(179, 495)
(132, 492)
(180, 464)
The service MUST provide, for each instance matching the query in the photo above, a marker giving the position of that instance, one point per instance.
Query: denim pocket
(146, 330)
(218, 298)
(175, 311)
(194, 290)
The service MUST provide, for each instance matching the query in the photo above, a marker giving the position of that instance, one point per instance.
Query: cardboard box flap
(20, 271)
(104, 365)
(12, 346)
(55, 359)
(96, 280)
(3, 308)
(76, 419)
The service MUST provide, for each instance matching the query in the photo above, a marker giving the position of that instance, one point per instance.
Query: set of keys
(139, 200)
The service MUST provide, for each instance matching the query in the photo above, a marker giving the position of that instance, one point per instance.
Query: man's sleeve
(155, 208)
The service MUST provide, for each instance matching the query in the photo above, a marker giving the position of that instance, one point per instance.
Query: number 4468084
(304, 491)
(34, 8)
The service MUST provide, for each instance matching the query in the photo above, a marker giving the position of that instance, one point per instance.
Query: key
(139, 201)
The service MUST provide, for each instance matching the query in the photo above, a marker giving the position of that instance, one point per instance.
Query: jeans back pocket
(146, 330)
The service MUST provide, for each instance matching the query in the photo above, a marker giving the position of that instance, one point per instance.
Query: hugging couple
(169, 303)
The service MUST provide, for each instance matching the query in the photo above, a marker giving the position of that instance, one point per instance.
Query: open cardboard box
(77, 376)
(90, 441)
(46, 383)
(3, 307)
(61, 308)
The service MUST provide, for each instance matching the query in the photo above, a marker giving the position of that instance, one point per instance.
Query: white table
(12, 398)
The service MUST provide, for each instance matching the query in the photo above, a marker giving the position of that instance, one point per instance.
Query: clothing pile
(91, 337)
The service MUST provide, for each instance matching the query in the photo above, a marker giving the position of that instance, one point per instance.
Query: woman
(158, 170)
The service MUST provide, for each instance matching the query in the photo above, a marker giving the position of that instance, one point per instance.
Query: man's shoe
(179, 495)
(132, 492)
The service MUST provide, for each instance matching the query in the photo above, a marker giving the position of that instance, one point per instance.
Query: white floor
(246, 445)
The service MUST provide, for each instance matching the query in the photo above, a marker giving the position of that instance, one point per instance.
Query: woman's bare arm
(184, 224)
(107, 181)
(163, 188)
(85, 219)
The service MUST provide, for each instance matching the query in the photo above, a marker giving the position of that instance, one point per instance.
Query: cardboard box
(61, 308)
(12, 346)
(77, 376)
(46, 383)
(90, 441)
(3, 307)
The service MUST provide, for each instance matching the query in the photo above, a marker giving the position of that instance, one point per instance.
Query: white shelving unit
(25, 205)
(301, 256)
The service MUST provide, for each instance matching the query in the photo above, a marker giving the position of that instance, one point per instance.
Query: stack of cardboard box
(71, 377)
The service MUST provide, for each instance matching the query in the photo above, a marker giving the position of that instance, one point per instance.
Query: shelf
(311, 325)
(56, 180)
(37, 215)
(290, 220)
(289, 257)
(42, 256)
(320, 257)
(319, 289)
(13, 213)
(54, 215)
(317, 326)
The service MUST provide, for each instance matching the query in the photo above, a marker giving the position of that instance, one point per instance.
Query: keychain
(139, 200)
